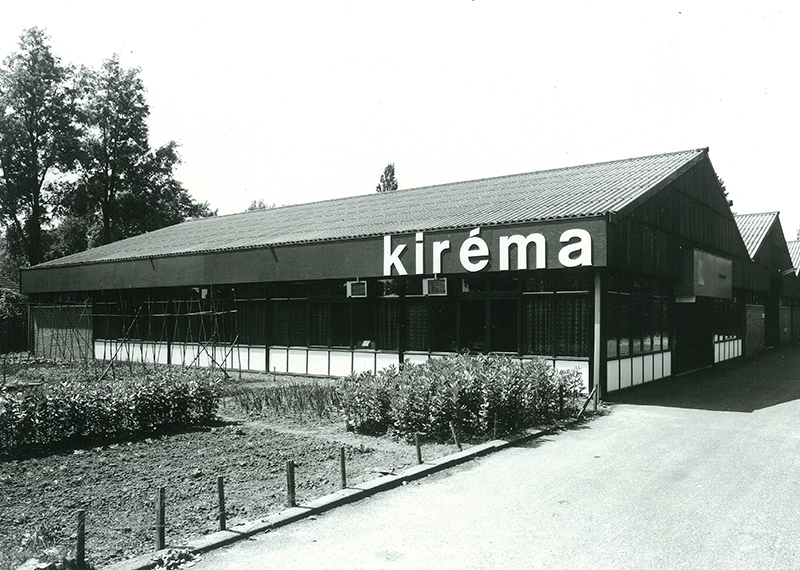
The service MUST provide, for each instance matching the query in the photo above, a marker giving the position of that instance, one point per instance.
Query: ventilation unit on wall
(434, 287)
(357, 289)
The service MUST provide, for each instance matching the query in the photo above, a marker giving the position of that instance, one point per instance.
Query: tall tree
(115, 144)
(38, 138)
(260, 204)
(124, 188)
(388, 181)
(159, 199)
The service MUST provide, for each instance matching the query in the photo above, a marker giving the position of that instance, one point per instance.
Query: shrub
(75, 410)
(479, 394)
(366, 400)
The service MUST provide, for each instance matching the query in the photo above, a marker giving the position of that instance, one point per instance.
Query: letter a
(583, 248)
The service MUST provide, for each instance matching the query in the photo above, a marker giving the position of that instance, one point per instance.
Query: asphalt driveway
(697, 472)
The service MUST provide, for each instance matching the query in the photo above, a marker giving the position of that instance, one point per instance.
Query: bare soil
(117, 484)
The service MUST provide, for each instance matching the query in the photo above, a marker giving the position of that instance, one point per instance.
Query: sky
(292, 102)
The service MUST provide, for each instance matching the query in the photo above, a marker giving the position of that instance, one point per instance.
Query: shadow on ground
(737, 386)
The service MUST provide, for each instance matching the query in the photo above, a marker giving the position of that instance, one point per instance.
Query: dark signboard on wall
(705, 275)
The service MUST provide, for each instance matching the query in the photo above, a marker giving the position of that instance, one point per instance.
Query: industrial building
(630, 271)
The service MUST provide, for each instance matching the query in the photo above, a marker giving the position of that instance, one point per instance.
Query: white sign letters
(475, 254)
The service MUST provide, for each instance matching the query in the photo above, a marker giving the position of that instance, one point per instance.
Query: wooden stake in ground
(455, 435)
(419, 449)
(221, 500)
(291, 499)
(160, 519)
(342, 468)
(80, 546)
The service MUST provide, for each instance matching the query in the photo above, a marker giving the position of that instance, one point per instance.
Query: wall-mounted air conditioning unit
(434, 287)
(357, 289)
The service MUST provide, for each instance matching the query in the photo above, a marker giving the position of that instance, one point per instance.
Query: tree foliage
(38, 139)
(114, 146)
(257, 205)
(123, 187)
(76, 166)
(388, 181)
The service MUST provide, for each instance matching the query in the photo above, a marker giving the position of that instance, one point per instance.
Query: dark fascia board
(314, 260)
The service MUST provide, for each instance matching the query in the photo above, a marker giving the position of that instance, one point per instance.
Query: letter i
(420, 254)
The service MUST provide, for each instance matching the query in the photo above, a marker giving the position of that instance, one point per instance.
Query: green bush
(480, 395)
(75, 410)
(365, 400)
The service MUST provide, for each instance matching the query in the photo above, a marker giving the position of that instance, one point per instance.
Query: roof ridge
(468, 181)
(599, 186)
(772, 213)
(559, 169)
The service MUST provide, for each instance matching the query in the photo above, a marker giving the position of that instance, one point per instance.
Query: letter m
(522, 244)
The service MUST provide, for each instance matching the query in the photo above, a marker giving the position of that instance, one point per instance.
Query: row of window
(479, 316)
(544, 314)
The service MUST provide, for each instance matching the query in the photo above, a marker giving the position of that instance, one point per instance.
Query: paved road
(699, 472)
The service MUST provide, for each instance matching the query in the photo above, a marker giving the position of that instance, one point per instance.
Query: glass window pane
(473, 325)
(503, 325)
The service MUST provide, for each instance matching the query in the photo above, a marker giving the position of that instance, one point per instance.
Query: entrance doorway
(694, 335)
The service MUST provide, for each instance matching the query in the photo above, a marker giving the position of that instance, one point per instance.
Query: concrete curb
(350, 495)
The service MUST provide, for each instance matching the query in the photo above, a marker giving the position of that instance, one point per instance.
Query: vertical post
(160, 519)
(80, 547)
(455, 435)
(597, 339)
(494, 426)
(342, 468)
(419, 449)
(221, 497)
(291, 499)
(561, 402)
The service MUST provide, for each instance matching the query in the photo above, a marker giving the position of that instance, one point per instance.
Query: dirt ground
(117, 484)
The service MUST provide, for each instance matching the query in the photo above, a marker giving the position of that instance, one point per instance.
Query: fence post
(561, 402)
(342, 468)
(160, 519)
(455, 435)
(221, 498)
(419, 449)
(80, 547)
(290, 495)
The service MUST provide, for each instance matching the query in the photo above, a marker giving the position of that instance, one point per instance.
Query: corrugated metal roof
(794, 252)
(754, 228)
(574, 192)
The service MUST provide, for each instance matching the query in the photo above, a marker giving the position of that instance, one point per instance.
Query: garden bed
(264, 422)
(117, 484)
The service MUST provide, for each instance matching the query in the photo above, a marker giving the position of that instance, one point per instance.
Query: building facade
(629, 271)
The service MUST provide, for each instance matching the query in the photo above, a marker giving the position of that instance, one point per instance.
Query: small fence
(161, 519)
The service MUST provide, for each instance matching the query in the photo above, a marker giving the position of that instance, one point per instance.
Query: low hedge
(75, 411)
(482, 395)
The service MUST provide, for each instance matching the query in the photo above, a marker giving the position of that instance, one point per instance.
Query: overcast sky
(301, 101)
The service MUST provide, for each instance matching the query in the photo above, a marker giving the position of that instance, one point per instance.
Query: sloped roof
(574, 192)
(794, 252)
(754, 228)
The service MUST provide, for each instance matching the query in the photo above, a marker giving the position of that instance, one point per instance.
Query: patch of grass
(296, 399)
